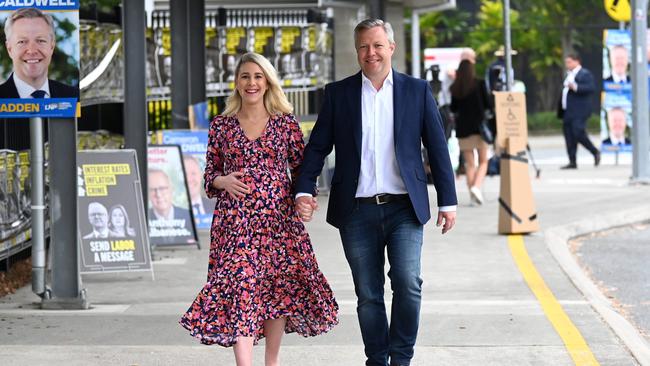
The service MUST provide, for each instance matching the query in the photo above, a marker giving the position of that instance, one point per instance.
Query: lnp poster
(170, 219)
(112, 229)
(39, 67)
(193, 146)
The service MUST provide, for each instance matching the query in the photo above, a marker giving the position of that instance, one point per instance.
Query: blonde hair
(275, 101)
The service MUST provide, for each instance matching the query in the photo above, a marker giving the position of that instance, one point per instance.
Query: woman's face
(251, 83)
(117, 218)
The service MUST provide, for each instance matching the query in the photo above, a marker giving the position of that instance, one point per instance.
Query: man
(98, 218)
(619, 61)
(201, 205)
(173, 223)
(377, 120)
(616, 121)
(575, 108)
(30, 44)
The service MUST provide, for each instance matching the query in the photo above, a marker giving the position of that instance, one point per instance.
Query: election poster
(171, 221)
(616, 99)
(39, 66)
(112, 227)
(193, 146)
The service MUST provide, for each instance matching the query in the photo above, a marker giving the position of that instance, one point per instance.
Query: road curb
(557, 238)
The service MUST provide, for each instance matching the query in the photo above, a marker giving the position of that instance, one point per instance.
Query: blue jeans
(370, 230)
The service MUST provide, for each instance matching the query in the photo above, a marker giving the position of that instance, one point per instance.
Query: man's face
(616, 122)
(374, 52)
(193, 173)
(30, 48)
(160, 192)
(571, 63)
(98, 216)
(619, 60)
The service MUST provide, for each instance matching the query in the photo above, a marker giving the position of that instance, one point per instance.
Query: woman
(118, 223)
(263, 279)
(469, 100)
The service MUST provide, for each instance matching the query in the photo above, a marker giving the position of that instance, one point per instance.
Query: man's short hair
(372, 23)
(28, 13)
(574, 56)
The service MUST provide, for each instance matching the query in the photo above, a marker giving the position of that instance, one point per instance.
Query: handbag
(484, 126)
(485, 131)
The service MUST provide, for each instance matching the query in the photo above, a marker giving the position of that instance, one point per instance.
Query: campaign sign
(112, 228)
(39, 62)
(194, 145)
(171, 221)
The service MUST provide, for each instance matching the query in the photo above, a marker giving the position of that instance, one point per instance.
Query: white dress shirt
(570, 79)
(379, 170)
(25, 90)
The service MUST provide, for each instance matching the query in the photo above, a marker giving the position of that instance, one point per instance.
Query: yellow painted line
(573, 340)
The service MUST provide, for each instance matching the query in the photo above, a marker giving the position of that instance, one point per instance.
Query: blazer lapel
(354, 101)
(398, 103)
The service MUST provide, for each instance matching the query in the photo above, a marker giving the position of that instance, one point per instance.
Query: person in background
(575, 108)
(98, 218)
(201, 205)
(469, 100)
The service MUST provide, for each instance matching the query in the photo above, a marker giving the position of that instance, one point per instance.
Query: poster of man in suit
(171, 221)
(39, 67)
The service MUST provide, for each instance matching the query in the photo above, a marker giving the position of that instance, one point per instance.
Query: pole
(38, 206)
(641, 129)
(179, 87)
(507, 43)
(415, 45)
(135, 85)
(196, 50)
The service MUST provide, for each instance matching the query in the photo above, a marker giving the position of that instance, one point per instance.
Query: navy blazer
(416, 122)
(578, 103)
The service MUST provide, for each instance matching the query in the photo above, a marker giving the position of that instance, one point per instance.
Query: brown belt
(382, 198)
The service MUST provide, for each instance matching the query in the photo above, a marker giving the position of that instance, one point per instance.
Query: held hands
(231, 184)
(447, 220)
(305, 206)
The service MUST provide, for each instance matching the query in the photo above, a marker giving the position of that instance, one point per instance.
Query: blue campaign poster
(193, 146)
(39, 75)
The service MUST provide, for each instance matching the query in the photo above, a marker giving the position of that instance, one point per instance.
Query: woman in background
(469, 100)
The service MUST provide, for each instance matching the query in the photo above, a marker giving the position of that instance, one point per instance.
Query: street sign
(619, 10)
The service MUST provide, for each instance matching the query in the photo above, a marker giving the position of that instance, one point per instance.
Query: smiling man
(30, 44)
(377, 120)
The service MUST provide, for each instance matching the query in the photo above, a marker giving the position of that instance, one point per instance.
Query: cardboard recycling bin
(517, 213)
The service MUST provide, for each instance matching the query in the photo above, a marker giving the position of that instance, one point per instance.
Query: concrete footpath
(477, 308)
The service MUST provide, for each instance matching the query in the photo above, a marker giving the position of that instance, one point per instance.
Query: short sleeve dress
(262, 264)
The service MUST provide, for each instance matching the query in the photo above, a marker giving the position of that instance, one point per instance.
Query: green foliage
(440, 28)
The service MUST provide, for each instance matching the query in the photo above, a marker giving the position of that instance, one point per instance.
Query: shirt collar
(576, 70)
(388, 80)
(25, 90)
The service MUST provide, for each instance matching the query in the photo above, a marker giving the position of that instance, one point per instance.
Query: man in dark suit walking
(575, 109)
(377, 120)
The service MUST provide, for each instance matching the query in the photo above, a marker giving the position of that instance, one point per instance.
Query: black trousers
(575, 132)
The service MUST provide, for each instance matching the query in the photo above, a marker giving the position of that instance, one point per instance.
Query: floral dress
(262, 265)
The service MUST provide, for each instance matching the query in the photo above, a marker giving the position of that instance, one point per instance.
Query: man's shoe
(569, 166)
(597, 159)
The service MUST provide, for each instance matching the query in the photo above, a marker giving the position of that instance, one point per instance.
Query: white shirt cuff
(302, 194)
(447, 208)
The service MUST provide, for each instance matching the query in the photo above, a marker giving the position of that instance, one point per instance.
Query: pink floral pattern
(262, 265)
